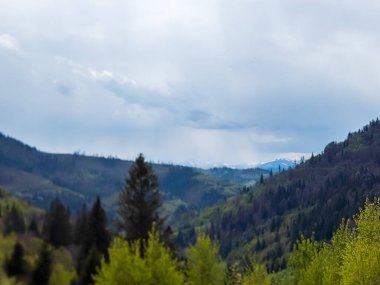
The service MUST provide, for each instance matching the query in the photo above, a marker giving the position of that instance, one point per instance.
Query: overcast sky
(209, 82)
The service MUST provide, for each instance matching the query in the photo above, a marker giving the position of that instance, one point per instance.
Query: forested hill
(39, 177)
(310, 200)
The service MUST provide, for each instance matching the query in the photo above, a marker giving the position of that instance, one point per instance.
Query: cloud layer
(205, 81)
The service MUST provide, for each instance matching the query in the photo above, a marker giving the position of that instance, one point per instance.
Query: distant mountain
(310, 199)
(39, 177)
(278, 165)
(246, 177)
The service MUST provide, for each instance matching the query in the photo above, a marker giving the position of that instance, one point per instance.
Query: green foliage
(205, 267)
(361, 259)
(256, 274)
(127, 266)
(61, 275)
(352, 257)
(305, 250)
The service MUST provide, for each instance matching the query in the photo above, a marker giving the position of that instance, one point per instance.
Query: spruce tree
(80, 226)
(14, 222)
(42, 272)
(16, 265)
(97, 234)
(95, 244)
(139, 203)
(57, 228)
(33, 227)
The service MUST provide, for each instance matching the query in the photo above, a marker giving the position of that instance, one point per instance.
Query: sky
(189, 82)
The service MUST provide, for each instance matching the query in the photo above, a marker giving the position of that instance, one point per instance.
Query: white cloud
(8, 42)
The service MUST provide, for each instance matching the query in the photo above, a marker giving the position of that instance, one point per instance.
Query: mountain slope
(277, 165)
(246, 177)
(39, 177)
(310, 200)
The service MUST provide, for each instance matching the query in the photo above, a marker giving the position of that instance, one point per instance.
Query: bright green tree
(127, 266)
(361, 260)
(256, 274)
(305, 250)
(205, 266)
(352, 257)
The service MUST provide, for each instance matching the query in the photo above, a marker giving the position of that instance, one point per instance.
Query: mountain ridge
(76, 178)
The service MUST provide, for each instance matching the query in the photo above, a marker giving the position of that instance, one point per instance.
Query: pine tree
(33, 227)
(57, 228)
(97, 234)
(88, 267)
(95, 244)
(16, 265)
(42, 272)
(261, 179)
(139, 203)
(14, 222)
(80, 226)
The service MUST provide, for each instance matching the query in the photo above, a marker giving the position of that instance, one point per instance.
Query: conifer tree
(57, 228)
(80, 226)
(16, 265)
(42, 272)
(139, 203)
(97, 234)
(33, 227)
(14, 222)
(95, 244)
(261, 179)
(88, 266)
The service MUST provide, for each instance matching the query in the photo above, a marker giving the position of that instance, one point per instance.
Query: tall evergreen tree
(42, 272)
(14, 222)
(139, 203)
(80, 226)
(97, 234)
(57, 228)
(33, 227)
(16, 265)
(95, 244)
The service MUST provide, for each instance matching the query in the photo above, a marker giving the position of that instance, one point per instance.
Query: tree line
(142, 249)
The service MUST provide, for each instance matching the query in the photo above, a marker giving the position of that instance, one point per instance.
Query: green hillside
(310, 200)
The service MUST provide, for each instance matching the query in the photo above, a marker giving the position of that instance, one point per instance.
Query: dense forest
(318, 223)
(310, 200)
